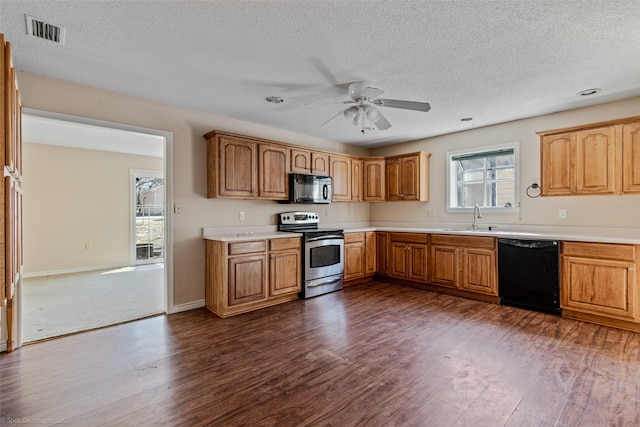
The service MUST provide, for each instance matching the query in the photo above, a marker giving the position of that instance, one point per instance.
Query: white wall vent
(44, 30)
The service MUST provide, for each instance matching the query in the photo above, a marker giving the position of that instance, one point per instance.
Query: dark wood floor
(372, 355)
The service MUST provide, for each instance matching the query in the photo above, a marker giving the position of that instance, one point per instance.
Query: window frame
(451, 182)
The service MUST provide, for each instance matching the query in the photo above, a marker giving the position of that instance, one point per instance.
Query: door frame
(168, 181)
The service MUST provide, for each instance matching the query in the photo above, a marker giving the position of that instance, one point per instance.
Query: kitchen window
(487, 177)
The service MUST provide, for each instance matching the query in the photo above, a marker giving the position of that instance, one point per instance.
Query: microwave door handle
(325, 191)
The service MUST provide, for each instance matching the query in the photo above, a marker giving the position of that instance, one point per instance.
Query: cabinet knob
(580, 188)
(630, 268)
(572, 188)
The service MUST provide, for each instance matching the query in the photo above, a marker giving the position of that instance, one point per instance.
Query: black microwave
(307, 188)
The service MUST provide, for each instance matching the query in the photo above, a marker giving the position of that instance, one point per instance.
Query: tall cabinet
(10, 195)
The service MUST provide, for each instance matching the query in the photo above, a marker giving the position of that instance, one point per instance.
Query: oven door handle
(326, 282)
(327, 237)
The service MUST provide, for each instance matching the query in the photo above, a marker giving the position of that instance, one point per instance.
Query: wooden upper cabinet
(599, 158)
(407, 177)
(373, 180)
(340, 171)
(356, 180)
(232, 166)
(300, 160)
(273, 168)
(631, 157)
(558, 160)
(320, 163)
(595, 160)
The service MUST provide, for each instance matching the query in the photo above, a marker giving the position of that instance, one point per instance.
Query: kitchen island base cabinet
(240, 279)
(599, 283)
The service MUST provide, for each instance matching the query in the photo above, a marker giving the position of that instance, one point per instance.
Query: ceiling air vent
(44, 30)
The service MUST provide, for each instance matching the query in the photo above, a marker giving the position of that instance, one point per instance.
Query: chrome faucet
(476, 215)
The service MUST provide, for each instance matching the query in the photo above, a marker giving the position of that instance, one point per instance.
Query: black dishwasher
(528, 274)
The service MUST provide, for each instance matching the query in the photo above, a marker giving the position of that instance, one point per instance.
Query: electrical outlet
(87, 246)
(241, 215)
(562, 213)
(430, 213)
(177, 208)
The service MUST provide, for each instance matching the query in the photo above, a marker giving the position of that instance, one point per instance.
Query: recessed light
(274, 99)
(466, 119)
(588, 92)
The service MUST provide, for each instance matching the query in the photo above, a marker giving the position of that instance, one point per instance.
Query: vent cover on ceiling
(44, 30)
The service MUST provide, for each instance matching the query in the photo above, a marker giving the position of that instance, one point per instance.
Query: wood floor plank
(374, 354)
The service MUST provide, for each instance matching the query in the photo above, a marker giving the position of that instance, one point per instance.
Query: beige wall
(189, 166)
(586, 211)
(73, 198)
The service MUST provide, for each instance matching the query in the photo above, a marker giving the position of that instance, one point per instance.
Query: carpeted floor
(67, 303)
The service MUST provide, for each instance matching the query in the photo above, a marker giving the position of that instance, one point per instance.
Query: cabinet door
(601, 287)
(238, 167)
(595, 160)
(382, 251)
(417, 262)
(353, 260)
(398, 259)
(393, 179)
(370, 253)
(285, 272)
(373, 180)
(300, 160)
(356, 180)
(444, 265)
(409, 178)
(247, 279)
(273, 168)
(479, 272)
(319, 163)
(557, 163)
(340, 170)
(631, 158)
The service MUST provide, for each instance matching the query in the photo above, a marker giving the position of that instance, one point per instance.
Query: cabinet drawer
(409, 237)
(239, 248)
(464, 241)
(282, 244)
(353, 237)
(600, 250)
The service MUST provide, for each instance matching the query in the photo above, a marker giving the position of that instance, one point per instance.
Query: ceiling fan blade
(333, 117)
(406, 105)
(381, 122)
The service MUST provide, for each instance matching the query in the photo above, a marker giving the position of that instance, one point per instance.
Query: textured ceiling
(494, 61)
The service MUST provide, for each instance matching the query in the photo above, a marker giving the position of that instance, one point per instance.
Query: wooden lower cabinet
(464, 262)
(354, 256)
(370, 253)
(598, 283)
(246, 276)
(408, 256)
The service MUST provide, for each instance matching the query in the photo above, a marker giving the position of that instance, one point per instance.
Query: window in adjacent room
(487, 176)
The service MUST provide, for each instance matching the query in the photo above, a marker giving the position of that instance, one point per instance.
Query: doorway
(68, 289)
(147, 217)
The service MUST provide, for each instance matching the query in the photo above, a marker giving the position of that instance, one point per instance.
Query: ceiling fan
(364, 98)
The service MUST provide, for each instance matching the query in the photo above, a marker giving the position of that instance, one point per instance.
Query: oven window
(323, 256)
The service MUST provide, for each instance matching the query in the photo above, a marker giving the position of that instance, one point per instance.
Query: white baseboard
(74, 270)
(187, 306)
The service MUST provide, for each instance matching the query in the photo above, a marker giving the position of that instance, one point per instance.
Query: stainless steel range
(322, 252)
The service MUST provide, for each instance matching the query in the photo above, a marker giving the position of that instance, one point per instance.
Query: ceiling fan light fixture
(352, 114)
(371, 113)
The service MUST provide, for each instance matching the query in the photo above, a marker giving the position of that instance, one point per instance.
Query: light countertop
(581, 234)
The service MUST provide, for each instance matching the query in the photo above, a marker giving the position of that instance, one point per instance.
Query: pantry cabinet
(407, 177)
(599, 280)
(249, 275)
(11, 262)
